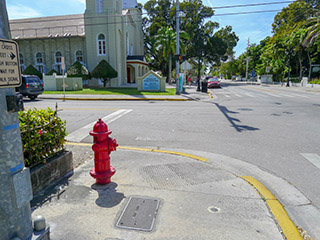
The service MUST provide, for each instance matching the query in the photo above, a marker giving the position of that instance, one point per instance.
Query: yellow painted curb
(147, 150)
(288, 228)
(125, 99)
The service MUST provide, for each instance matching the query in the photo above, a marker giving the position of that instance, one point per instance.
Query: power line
(139, 21)
(239, 13)
(252, 5)
(133, 14)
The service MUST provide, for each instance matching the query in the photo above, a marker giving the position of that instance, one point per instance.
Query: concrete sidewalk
(200, 198)
(190, 94)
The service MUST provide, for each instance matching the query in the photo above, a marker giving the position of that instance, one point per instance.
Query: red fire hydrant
(102, 147)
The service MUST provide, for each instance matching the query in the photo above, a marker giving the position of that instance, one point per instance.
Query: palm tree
(313, 29)
(313, 33)
(166, 39)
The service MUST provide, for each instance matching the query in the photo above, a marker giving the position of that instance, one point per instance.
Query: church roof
(46, 27)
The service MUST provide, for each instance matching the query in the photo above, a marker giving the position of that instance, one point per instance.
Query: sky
(254, 26)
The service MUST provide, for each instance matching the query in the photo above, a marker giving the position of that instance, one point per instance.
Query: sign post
(15, 183)
(63, 67)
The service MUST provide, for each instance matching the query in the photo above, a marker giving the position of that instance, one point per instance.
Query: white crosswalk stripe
(242, 92)
(299, 95)
(83, 132)
(313, 158)
(286, 95)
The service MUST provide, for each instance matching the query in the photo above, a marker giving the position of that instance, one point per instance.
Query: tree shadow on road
(240, 128)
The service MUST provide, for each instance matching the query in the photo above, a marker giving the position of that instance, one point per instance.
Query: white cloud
(19, 11)
(82, 1)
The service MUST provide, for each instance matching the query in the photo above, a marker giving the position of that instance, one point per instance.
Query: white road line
(313, 158)
(249, 95)
(286, 95)
(235, 93)
(273, 95)
(299, 95)
(83, 132)
(226, 95)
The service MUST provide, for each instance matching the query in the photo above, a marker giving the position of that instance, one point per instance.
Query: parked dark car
(31, 86)
(213, 82)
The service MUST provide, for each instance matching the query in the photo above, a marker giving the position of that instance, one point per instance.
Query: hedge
(42, 134)
(31, 70)
(78, 70)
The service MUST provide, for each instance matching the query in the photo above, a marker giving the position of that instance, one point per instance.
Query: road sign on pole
(267, 69)
(10, 73)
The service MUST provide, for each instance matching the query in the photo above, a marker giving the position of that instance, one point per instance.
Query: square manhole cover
(139, 214)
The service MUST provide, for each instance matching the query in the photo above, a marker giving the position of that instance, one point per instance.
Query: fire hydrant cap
(100, 127)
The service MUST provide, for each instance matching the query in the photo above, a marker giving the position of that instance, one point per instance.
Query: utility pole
(15, 183)
(247, 63)
(199, 59)
(177, 50)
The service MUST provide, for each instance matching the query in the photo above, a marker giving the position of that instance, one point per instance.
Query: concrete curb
(117, 99)
(288, 228)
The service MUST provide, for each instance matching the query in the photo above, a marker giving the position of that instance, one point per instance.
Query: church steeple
(103, 6)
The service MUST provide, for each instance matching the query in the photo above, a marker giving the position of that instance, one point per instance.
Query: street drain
(139, 214)
(213, 209)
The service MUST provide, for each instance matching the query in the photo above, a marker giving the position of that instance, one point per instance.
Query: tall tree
(166, 40)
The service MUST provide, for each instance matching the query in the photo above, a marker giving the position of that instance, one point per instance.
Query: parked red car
(214, 83)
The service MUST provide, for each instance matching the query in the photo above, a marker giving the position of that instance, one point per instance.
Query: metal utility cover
(139, 214)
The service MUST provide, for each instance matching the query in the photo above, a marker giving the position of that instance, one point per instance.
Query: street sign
(63, 65)
(185, 65)
(267, 69)
(10, 73)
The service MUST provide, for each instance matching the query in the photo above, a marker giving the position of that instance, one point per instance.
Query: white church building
(109, 29)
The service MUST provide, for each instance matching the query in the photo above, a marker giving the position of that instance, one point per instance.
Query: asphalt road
(274, 128)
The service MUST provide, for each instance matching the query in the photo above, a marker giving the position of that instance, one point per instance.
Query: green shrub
(31, 70)
(315, 81)
(52, 71)
(105, 71)
(78, 70)
(42, 134)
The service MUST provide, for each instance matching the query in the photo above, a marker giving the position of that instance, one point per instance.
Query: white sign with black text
(10, 73)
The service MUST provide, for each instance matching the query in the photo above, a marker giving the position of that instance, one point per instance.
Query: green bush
(105, 71)
(31, 70)
(42, 134)
(315, 81)
(52, 71)
(78, 70)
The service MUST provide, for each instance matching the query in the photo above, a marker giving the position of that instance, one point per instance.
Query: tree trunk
(310, 66)
(300, 65)
(170, 68)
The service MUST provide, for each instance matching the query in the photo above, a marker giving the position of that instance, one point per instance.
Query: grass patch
(113, 91)
(315, 81)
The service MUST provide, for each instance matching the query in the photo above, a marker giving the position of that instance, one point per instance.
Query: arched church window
(39, 59)
(101, 45)
(58, 56)
(39, 62)
(79, 56)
